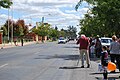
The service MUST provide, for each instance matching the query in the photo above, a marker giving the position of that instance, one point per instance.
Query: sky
(60, 13)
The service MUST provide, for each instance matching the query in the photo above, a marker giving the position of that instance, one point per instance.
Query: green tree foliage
(19, 28)
(53, 33)
(42, 30)
(62, 33)
(71, 32)
(56, 28)
(4, 31)
(5, 3)
(103, 18)
(8, 23)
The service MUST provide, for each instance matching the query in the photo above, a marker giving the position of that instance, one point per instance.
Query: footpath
(10, 45)
(76, 73)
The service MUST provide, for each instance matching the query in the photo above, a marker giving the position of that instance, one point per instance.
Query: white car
(106, 41)
(61, 40)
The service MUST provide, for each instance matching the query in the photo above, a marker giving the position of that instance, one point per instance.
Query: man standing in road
(84, 48)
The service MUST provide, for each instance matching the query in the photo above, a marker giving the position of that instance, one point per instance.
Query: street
(46, 61)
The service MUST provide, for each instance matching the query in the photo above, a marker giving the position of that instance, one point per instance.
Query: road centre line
(3, 65)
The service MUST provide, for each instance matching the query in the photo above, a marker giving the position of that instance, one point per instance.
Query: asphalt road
(46, 61)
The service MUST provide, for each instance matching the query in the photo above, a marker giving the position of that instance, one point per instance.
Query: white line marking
(3, 65)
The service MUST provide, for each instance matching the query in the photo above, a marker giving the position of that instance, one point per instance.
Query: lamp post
(12, 26)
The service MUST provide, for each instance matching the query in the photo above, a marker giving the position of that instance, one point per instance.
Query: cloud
(42, 4)
(63, 21)
(83, 10)
(46, 1)
(3, 16)
(36, 6)
(56, 12)
(70, 11)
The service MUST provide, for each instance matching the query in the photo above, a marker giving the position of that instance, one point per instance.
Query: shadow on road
(69, 67)
(95, 59)
(109, 78)
(71, 47)
(65, 57)
(114, 77)
(102, 73)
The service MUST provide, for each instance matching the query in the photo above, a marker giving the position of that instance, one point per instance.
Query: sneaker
(82, 66)
(88, 66)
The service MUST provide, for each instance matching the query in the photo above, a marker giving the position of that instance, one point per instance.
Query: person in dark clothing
(104, 61)
(15, 41)
(98, 47)
(21, 41)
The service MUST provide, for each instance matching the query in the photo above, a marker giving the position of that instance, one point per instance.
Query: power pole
(12, 26)
(8, 25)
(36, 34)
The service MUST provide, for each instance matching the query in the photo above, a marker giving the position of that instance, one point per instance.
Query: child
(104, 61)
(92, 50)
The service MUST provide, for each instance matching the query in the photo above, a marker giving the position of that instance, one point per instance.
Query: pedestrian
(15, 41)
(119, 40)
(90, 40)
(83, 41)
(22, 42)
(115, 51)
(98, 47)
(92, 50)
(104, 61)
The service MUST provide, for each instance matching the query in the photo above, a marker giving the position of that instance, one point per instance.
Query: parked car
(71, 39)
(61, 40)
(106, 41)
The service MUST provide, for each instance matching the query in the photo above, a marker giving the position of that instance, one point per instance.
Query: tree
(5, 3)
(56, 28)
(71, 32)
(90, 26)
(21, 28)
(104, 15)
(10, 27)
(61, 33)
(42, 30)
(4, 31)
(53, 33)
